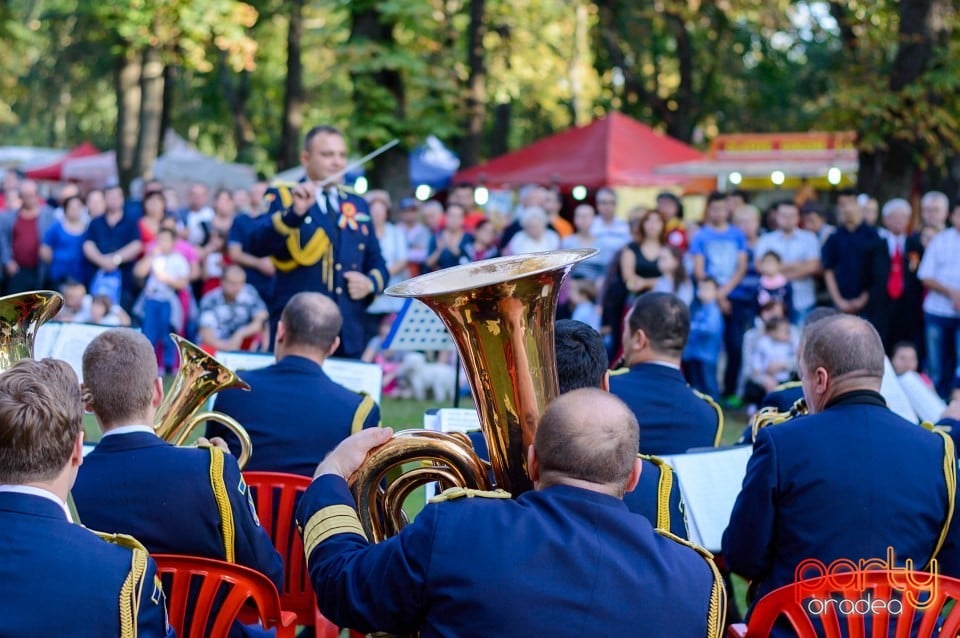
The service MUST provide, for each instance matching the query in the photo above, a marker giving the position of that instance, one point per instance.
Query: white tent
(97, 170)
(190, 165)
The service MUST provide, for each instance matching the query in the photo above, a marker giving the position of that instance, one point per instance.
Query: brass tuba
(500, 314)
(21, 315)
(200, 377)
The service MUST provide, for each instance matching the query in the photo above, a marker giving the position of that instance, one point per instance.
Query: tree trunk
(476, 86)
(127, 86)
(500, 135)
(893, 170)
(169, 98)
(293, 98)
(579, 104)
(236, 90)
(379, 96)
(151, 112)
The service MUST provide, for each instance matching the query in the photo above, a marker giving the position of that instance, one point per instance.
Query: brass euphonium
(21, 315)
(500, 314)
(200, 377)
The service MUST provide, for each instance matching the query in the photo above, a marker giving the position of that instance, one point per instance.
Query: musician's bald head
(838, 354)
(587, 437)
(309, 325)
(120, 380)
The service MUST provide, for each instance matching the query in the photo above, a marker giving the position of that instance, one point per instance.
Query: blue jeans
(735, 325)
(943, 350)
(156, 328)
(702, 376)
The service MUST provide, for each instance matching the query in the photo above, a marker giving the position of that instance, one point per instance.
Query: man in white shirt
(610, 232)
(799, 252)
(940, 273)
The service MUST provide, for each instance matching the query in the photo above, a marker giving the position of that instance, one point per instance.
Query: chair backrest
(198, 588)
(851, 604)
(275, 496)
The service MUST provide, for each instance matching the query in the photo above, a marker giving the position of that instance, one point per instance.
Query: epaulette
(927, 425)
(455, 493)
(716, 408)
(664, 487)
(950, 480)
(717, 609)
(362, 412)
(618, 372)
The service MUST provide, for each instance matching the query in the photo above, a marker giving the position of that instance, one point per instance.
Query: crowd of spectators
(749, 276)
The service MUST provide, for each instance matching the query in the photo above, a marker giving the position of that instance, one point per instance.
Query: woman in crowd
(449, 248)
(393, 247)
(638, 262)
(154, 210)
(62, 245)
(535, 236)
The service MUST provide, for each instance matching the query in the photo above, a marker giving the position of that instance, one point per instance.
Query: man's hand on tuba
(348, 456)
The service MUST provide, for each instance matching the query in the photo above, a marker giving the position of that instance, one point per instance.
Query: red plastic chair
(275, 496)
(797, 603)
(227, 586)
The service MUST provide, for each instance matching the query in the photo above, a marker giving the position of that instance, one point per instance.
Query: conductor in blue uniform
(175, 500)
(850, 480)
(59, 578)
(673, 417)
(294, 413)
(321, 240)
(564, 560)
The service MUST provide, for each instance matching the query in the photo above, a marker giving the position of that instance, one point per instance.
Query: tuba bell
(500, 313)
(200, 377)
(21, 315)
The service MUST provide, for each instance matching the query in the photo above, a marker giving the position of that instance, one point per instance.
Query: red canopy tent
(54, 171)
(615, 150)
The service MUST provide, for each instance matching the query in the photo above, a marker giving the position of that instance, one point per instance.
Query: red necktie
(895, 281)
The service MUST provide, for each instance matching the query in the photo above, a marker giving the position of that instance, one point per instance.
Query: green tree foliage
(406, 68)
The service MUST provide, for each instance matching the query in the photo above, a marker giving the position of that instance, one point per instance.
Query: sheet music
(710, 482)
(417, 328)
(458, 420)
(355, 375)
(894, 395)
(923, 399)
(45, 339)
(71, 340)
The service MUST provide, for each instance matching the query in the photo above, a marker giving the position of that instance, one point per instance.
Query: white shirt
(610, 237)
(941, 262)
(800, 245)
(36, 491)
(128, 429)
(334, 198)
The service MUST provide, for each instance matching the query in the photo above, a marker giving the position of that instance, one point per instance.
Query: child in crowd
(673, 276)
(773, 361)
(904, 359)
(706, 340)
(388, 360)
(774, 285)
(583, 299)
(167, 272)
(484, 245)
(103, 312)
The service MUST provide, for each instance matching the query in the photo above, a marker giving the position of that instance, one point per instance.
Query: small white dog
(423, 377)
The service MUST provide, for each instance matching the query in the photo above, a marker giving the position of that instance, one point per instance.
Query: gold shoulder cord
(363, 410)
(664, 487)
(223, 503)
(716, 407)
(132, 588)
(717, 609)
(950, 478)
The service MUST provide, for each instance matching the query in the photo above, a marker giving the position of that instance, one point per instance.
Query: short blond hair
(119, 372)
(41, 415)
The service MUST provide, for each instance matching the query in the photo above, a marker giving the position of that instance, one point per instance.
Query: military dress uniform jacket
(656, 497)
(558, 562)
(174, 500)
(59, 579)
(673, 418)
(846, 483)
(294, 413)
(313, 251)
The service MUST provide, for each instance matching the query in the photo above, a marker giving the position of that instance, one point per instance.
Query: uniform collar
(857, 397)
(137, 437)
(296, 362)
(575, 493)
(658, 367)
(29, 490)
(128, 429)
